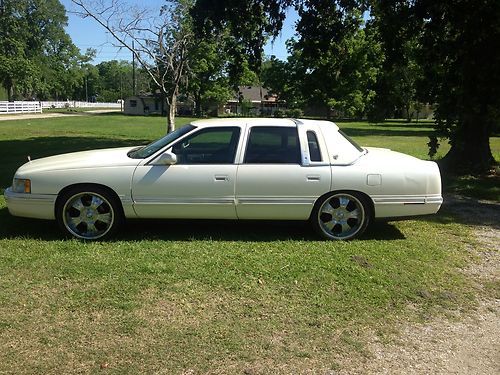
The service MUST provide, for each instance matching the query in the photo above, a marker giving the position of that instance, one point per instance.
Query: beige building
(144, 104)
(255, 101)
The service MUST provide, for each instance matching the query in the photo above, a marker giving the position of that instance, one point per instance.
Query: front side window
(273, 145)
(208, 146)
(146, 151)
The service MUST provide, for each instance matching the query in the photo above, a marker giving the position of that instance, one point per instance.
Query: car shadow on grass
(190, 230)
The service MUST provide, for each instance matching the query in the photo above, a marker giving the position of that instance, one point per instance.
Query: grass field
(209, 296)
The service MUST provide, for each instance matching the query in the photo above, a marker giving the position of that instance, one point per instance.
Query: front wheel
(341, 216)
(89, 213)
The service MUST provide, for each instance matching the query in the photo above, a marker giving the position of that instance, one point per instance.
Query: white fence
(36, 107)
(20, 107)
(76, 104)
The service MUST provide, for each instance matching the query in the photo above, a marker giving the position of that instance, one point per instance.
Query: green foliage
(294, 113)
(246, 107)
(248, 24)
(339, 59)
(208, 83)
(456, 49)
(283, 79)
(37, 57)
(412, 52)
(279, 114)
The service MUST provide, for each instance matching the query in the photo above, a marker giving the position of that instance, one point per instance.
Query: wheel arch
(363, 195)
(87, 185)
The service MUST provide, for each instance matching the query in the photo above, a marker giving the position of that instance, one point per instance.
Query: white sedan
(235, 168)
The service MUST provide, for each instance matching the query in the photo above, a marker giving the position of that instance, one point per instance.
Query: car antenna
(297, 122)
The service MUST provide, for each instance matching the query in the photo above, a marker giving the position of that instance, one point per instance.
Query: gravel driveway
(462, 344)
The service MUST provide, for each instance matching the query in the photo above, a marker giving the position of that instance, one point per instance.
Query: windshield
(145, 151)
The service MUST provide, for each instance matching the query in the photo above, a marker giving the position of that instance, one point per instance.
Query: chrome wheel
(342, 216)
(88, 215)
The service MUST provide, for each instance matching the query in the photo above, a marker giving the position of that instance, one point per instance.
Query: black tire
(341, 215)
(89, 212)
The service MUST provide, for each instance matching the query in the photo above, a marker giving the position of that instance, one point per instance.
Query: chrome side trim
(149, 201)
(225, 201)
(23, 197)
(406, 199)
(289, 200)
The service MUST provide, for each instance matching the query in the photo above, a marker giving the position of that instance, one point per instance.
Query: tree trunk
(197, 103)
(9, 87)
(408, 113)
(172, 108)
(470, 152)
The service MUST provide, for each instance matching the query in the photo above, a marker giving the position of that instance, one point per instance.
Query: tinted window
(144, 152)
(312, 141)
(273, 145)
(208, 146)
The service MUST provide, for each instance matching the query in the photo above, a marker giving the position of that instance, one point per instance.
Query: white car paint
(395, 184)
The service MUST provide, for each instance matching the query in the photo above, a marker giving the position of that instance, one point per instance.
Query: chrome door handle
(313, 178)
(221, 178)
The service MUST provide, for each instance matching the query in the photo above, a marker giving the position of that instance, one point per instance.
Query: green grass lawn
(212, 296)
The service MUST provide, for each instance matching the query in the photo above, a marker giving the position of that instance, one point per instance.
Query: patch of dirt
(466, 344)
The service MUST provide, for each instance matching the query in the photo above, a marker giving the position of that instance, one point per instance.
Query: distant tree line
(38, 60)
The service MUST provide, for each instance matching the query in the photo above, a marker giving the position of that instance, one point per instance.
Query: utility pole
(86, 88)
(121, 92)
(133, 68)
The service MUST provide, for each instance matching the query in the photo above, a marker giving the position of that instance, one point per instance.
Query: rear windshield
(351, 141)
(146, 151)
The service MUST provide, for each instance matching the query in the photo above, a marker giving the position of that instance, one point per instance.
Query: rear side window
(273, 145)
(312, 142)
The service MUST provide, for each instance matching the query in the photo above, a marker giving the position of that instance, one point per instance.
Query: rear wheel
(341, 216)
(89, 213)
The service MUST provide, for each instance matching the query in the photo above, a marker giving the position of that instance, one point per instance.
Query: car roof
(239, 121)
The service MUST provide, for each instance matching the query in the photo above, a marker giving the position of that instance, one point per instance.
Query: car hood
(111, 157)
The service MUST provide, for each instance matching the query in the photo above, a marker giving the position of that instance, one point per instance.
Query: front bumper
(38, 206)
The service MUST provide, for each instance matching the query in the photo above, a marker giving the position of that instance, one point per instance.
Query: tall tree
(249, 23)
(339, 56)
(35, 51)
(160, 42)
(208, 82)
(460, 59)
(115, 80)
(460, 55)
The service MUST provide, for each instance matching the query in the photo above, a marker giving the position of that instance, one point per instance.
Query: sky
(86, 33)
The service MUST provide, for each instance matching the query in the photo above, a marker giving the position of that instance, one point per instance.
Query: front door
(201, 183)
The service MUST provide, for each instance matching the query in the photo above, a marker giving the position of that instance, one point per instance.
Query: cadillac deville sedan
(272, 169)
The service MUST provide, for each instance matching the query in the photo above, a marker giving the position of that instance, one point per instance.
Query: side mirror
(167, 158)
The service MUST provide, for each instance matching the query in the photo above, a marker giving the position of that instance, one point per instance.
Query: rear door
(276, 178)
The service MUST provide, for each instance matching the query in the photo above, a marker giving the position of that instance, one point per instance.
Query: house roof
(253, 93)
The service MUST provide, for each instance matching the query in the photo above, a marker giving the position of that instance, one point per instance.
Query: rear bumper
(38, 206)
(406, 205)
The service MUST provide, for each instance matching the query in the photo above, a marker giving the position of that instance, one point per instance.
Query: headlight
(20, 185)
